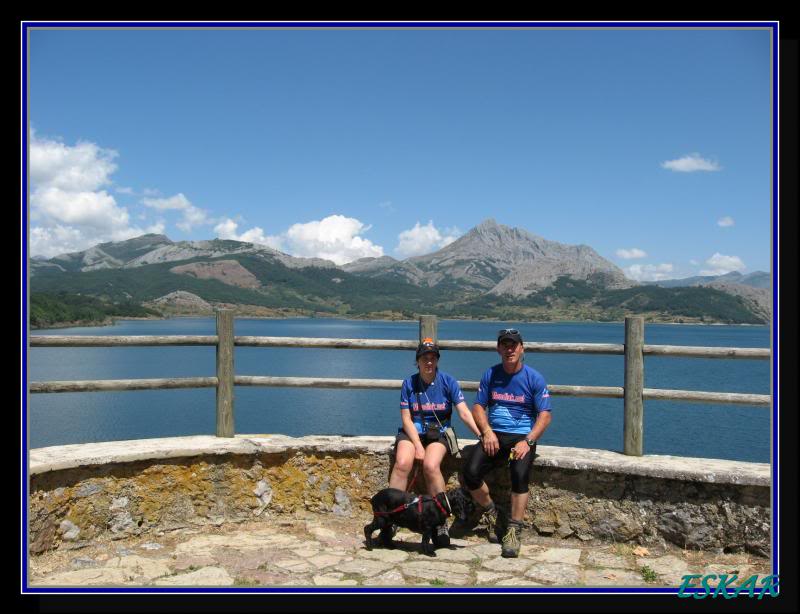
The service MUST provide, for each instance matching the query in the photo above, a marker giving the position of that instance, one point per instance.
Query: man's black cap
(509, 333)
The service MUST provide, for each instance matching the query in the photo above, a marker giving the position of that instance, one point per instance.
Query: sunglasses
(508, 331)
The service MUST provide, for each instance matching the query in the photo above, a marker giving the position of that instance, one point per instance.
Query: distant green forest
(48, 309)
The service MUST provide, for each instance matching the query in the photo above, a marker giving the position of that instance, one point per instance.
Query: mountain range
(491, 271)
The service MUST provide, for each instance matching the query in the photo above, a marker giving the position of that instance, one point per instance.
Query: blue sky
(650, 145)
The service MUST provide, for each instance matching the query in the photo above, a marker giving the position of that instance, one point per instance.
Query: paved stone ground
(316, 550)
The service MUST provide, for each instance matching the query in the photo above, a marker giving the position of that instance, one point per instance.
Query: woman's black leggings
(478, 464)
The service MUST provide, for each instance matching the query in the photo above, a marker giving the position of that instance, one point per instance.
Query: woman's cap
(427, 345)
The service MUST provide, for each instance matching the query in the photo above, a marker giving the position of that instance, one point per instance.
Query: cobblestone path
(315, 550)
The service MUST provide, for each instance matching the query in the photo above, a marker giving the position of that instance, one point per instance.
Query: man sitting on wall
(518, 404)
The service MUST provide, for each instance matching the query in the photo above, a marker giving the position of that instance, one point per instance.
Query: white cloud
(192, 216)
(179, 201)
(84, 167)
(335, 238)
(157, 228)
(424, 240)
(725, 221)
(649, 272)
(722, 264)
(226, 229)
(69, 210)
(94, 209)
(629, 254)
(691, 163)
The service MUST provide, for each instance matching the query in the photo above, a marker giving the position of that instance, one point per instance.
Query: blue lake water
(679, 428)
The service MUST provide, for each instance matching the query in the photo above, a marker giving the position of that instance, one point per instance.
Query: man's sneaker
(511, 540)
(489, 518)
(442, 538)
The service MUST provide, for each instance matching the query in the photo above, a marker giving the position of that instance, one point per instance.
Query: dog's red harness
(418, 501)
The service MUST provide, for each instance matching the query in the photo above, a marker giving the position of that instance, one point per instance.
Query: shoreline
(113, 321)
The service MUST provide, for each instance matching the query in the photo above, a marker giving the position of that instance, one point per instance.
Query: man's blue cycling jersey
(513, 400)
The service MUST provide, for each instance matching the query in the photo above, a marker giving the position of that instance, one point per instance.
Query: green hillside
(336, 292)
(47, 309)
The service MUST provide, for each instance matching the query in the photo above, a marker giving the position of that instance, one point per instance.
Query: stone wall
(116, 489)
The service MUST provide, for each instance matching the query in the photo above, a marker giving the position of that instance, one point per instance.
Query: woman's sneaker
(441, 538)
(511, 540)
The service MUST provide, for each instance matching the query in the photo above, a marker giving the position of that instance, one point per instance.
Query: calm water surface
(685, 429)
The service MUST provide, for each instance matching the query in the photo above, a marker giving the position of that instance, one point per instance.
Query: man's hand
(520, 449)
(490, 443)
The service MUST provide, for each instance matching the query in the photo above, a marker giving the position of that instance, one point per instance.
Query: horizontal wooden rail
(531, 346)
(312, 342)
(123, 384)
(633, 351)
(611, 392)
(392, 344)
(689, 351)
(696, 396)
(60, 341)
(315, 382)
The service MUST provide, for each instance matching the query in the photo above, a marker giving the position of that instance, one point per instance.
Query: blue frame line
(26, 26)
(24, 307)
(775, 307)
(380, 24)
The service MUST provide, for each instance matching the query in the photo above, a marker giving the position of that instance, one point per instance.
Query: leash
(414, 479)
(402, 508)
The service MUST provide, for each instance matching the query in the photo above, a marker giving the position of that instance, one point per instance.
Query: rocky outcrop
(227, 271)
(758, 300)
(512, 261)
(180, 302)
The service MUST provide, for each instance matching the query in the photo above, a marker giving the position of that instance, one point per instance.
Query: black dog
(419, 513)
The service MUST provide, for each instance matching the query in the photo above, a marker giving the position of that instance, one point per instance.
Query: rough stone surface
(558, 555)
(364, 567)
(333, 579)
(143, 568)
(554, 573)
(669, 568)
(518, 565)
(389, 578)
(611, 577)
(208, 576)
(81, 492)
(602, 559)
(88, 577)
(251, 554)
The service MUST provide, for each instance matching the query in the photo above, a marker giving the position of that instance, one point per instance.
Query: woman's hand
(419, 451)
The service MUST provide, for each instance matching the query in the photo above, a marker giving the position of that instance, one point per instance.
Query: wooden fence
(633, 392)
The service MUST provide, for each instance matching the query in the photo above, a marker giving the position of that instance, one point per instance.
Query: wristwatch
(530, 442)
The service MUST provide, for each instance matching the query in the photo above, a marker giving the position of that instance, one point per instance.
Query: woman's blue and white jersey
(423, 401)
(513, 400)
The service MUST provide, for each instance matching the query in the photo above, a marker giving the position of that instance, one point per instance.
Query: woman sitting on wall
(426, 405)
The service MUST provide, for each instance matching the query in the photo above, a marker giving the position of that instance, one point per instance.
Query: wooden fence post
(225, 373)
(634, 386)
(428, 328)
